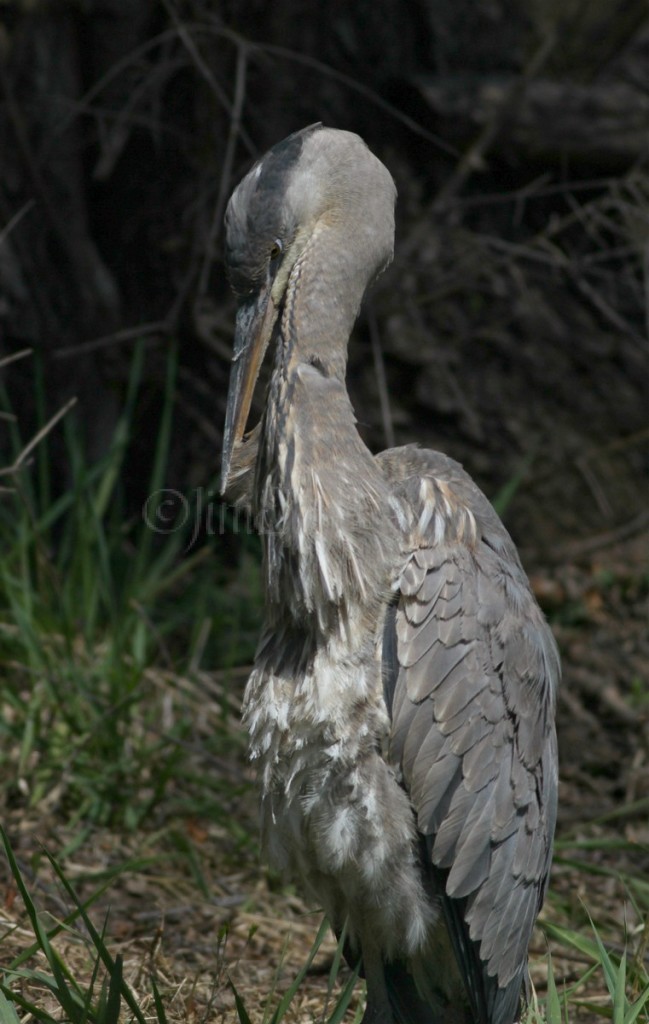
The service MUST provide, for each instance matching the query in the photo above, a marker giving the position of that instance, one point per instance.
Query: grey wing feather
(473, 689)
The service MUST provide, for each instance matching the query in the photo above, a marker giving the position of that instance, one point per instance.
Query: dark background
(511, 325)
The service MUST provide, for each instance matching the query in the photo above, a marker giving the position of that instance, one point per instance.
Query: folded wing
(471, 679)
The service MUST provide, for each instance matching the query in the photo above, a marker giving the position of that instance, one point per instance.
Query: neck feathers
(323, 505)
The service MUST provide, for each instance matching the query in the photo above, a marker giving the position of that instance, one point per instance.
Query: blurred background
(510, 331)
(511, 324)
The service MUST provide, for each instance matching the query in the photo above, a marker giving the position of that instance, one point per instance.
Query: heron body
(401, 706)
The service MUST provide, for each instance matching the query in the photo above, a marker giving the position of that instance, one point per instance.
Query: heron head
(318, 184)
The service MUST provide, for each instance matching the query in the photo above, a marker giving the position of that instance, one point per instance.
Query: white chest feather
(333, 812)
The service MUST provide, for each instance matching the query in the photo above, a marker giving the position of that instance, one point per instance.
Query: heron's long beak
(254, 325)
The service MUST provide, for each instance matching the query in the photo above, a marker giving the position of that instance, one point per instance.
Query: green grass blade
(157, 1001)
(161, 458)
(610, 973)
(569, 937)
(287, 999)
(114, 462)
(8, 1013)
(43, 463)
(636, 1010)
(113, 1003)
(242, 1013)
(66, 998)
(347, 992)
(553, 1003)
(185, 846)
(90, 990)
(345, 998)
(97, 941)
(503, 499)
(619, 993)
(38, 1014)
(164, 431)
(337, 960)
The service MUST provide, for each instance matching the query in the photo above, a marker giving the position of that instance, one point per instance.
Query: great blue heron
(401, 706)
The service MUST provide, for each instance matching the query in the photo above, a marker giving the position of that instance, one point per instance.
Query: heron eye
(276, 249)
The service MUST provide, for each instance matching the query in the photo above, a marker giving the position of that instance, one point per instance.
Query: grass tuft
(92, 605)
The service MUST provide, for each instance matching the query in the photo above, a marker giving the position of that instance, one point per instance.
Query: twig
(56, 221)
(609, 314)
(595, 486)
(619, 444)
(473, 158)
(185, 37)
(15, 356)
(552, 255)
(113, 141)
(122, 65)
(200, 645)
(579, 548)
(535, 189)
(43, 432)
(594, 687)
(228, 161)
(646, 287)
(16, 219)
(116, 338)
(363, 90)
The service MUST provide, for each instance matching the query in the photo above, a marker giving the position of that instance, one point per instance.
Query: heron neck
(323, 298)
(321, 501)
